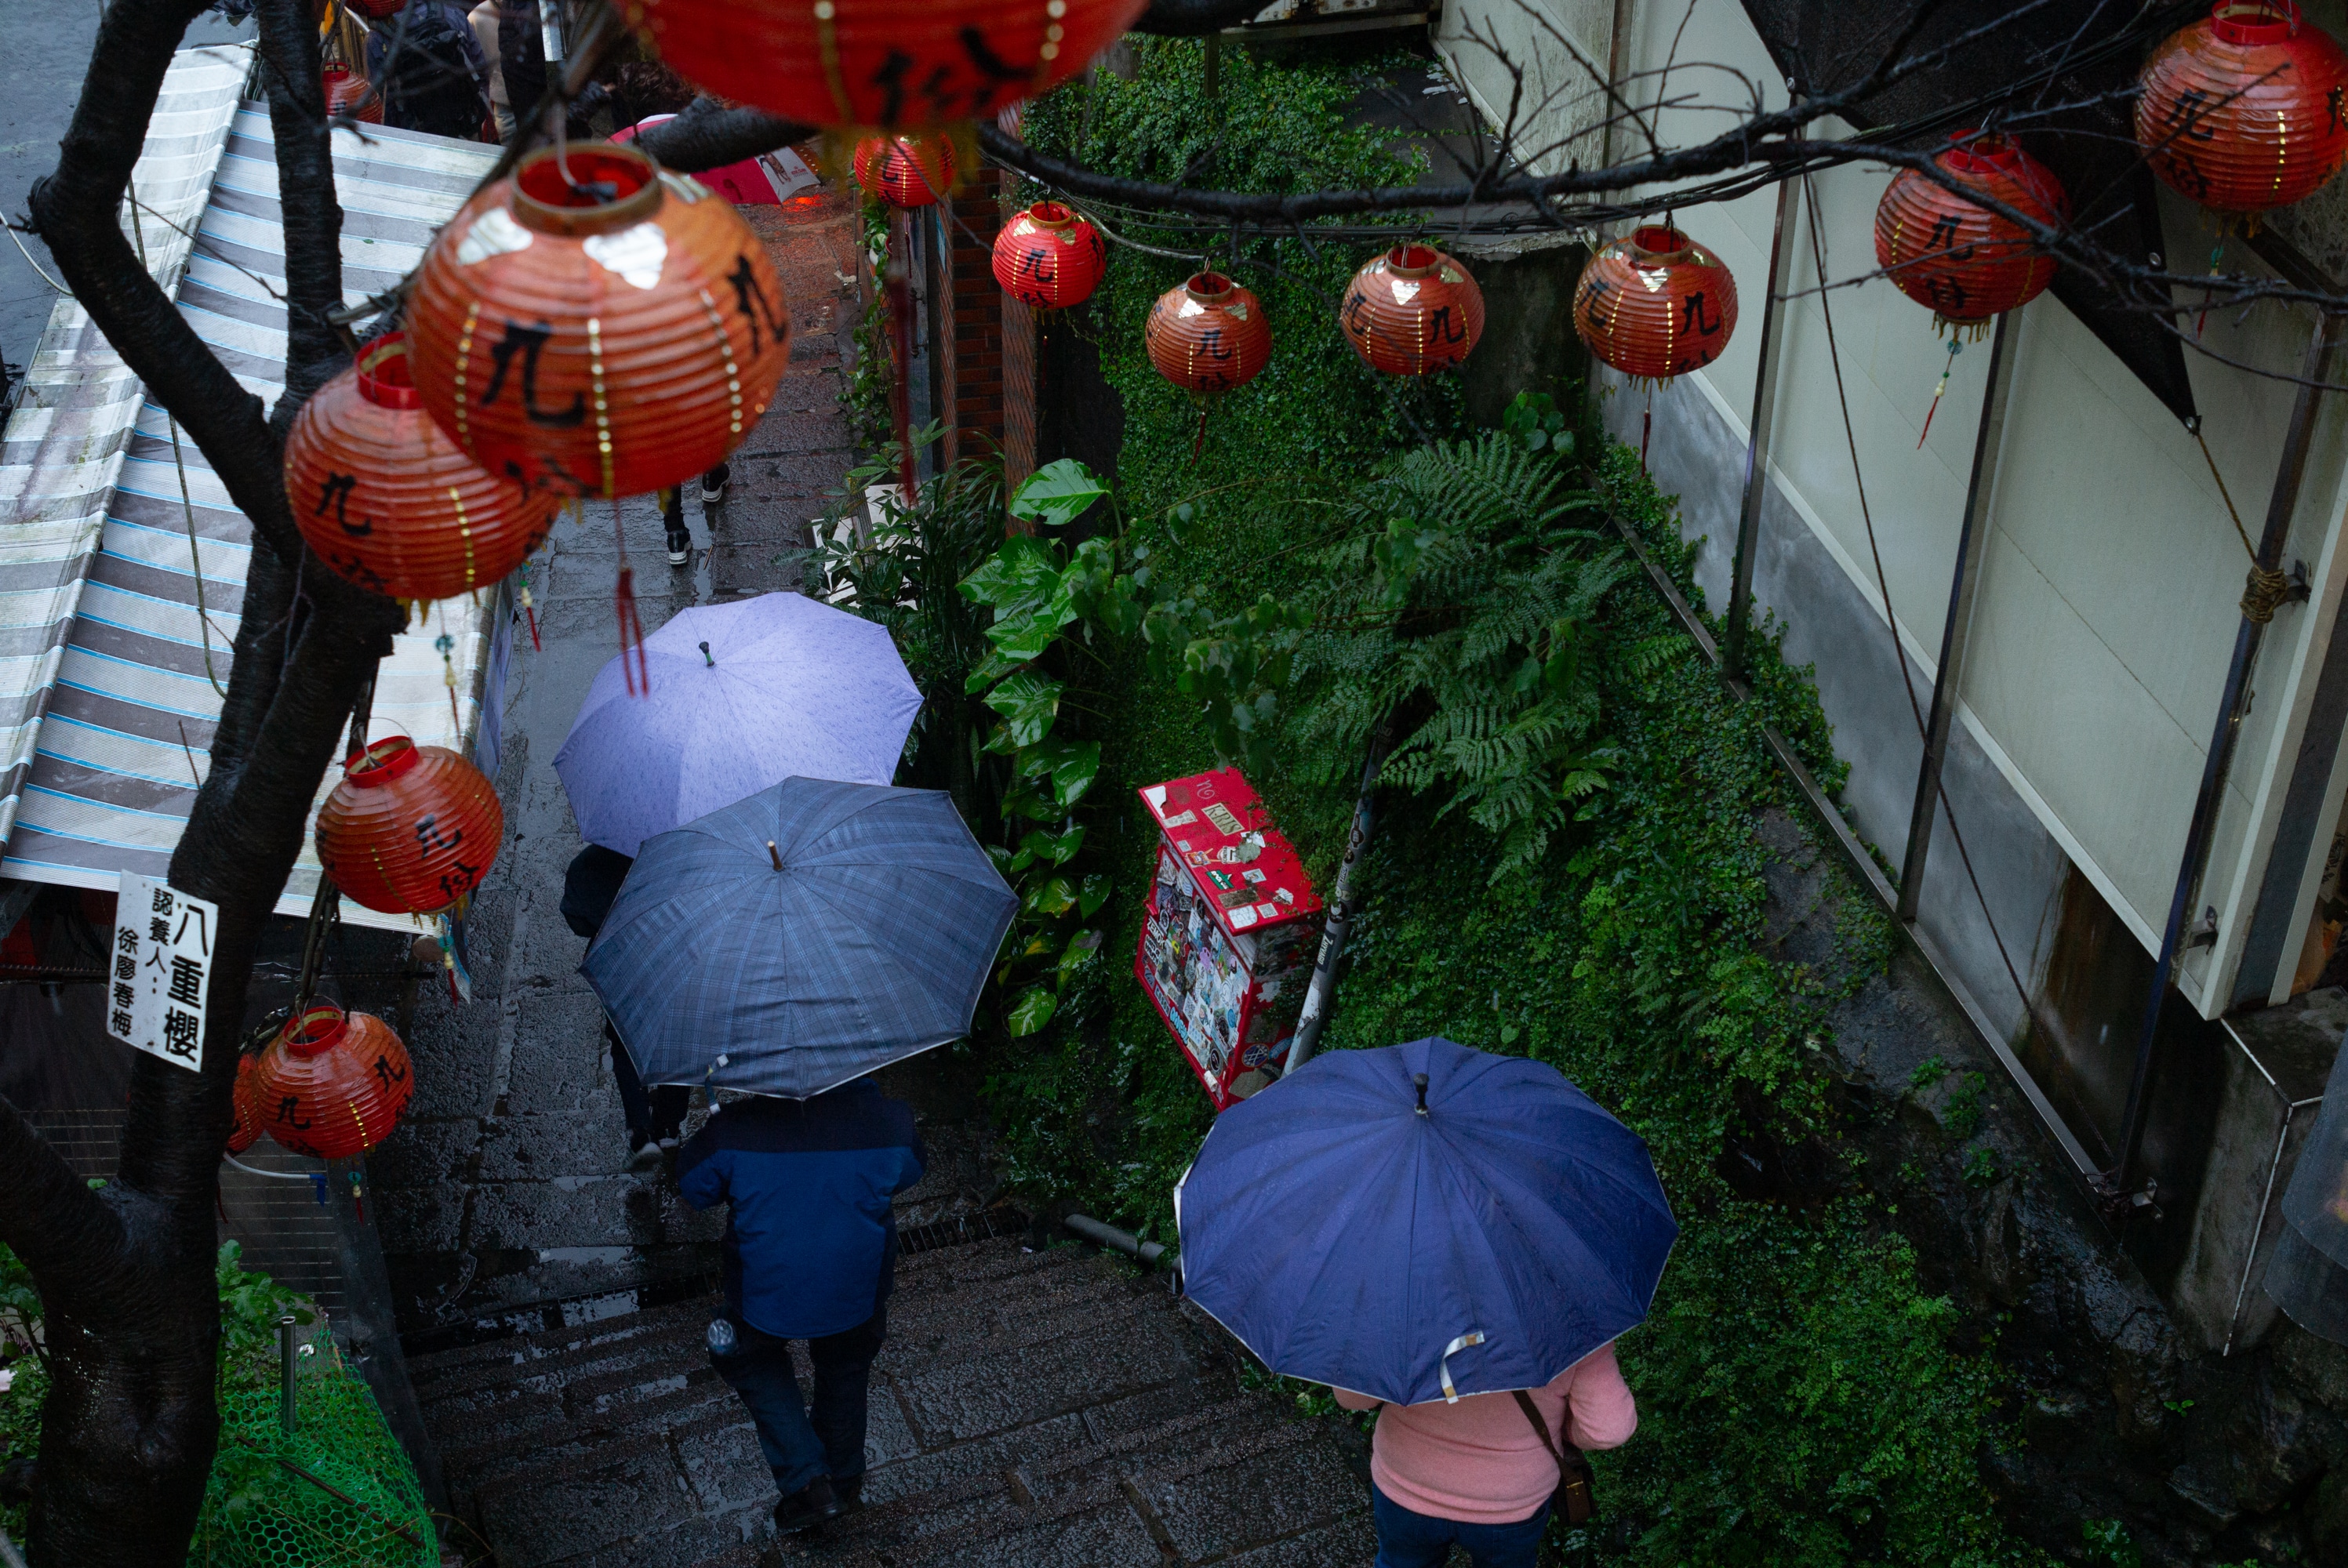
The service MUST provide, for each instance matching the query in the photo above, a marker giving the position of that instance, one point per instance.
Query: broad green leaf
(1054, 898)
(1058, 848)
(1094, 894)
(1077, 953)
(1057, 494)
(993, 667)
(1033, 1010)
(1028, 703)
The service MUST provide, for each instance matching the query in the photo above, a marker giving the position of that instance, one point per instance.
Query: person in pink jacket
(1474, 1473)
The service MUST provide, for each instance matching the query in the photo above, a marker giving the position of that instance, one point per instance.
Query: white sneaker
(646, 1157)
(680, 549)
(712, 494)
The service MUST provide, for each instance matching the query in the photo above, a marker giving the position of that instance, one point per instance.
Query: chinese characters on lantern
(161, 958)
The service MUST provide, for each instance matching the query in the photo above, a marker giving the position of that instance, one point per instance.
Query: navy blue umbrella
(1479, 1235)
(800, 938)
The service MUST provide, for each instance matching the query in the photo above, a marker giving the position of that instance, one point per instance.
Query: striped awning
(122, 561)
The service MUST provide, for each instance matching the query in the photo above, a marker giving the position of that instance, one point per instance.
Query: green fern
(1460, 606)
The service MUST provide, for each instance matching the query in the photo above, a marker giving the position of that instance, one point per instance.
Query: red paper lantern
(388, 500)
(1412, 311)
(2242, 111)
(1968, 263)
(246, 1131)
(380, 10)
(1208, 335)
(1656, 304)
(884, 65)
(1048, 258)
(596, 326)
(331, 1084)
(349, 93)
(410, 829)
(906, 171)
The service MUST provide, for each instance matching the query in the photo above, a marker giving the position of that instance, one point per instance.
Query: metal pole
(285, 1412)
(1764, 415)
(1971, 536)
(1315, 1014)
(1115, 1240)
(2232, 708)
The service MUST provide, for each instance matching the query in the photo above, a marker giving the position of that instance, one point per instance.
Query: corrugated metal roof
(107, 670)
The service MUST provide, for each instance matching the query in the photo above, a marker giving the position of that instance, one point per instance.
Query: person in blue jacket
(811, 1253)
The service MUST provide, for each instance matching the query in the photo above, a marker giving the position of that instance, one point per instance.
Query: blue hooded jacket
(810, 1236)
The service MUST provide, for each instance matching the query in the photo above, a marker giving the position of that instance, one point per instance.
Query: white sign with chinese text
(162, 970)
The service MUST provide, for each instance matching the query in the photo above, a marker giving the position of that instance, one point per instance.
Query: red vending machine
(1230, 931)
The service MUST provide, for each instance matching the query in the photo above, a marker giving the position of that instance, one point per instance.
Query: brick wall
(977, 314)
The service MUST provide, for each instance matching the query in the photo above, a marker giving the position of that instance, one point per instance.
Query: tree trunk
(126, 1273)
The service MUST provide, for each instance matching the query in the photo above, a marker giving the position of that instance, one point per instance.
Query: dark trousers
(651, 1116)
(802, 1443)
(672, 500)
(1409, 1539)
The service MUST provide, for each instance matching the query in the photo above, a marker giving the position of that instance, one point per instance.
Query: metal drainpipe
(1314, 1016)
(1115, 1240)
(1765, 416)
(1971, 539)
(2232, 708)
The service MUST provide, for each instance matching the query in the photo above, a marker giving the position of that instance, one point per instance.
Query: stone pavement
(502, 1186)
(1030, 1410)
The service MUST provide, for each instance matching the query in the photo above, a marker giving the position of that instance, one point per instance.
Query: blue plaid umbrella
(800, 938)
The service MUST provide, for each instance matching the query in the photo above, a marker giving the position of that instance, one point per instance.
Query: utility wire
(1883, 585)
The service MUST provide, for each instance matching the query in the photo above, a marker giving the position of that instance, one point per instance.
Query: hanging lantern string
(1956, 347)
(178, 461)
(2266, 588)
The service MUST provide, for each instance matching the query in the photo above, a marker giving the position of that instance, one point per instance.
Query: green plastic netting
(337, 1494)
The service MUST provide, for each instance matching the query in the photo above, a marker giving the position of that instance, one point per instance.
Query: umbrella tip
(774, 854)
(705, 658)
(1420, 1079)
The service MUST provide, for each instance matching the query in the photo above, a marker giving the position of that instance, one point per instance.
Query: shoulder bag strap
(1574, 1499)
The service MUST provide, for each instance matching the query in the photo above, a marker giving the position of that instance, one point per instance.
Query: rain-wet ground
(1041, 1408)
(506, 1184)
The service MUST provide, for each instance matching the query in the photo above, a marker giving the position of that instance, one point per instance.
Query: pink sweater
(1480, 1460)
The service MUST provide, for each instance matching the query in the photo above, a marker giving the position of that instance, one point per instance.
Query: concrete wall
(1561, 49)
(2106, 606)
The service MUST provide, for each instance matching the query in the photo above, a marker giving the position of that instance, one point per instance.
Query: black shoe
(850, 1490)
(680, 546)
(813, 1504)
(713, 484)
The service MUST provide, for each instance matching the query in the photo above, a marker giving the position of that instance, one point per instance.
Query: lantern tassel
(446, 647)
(901, 355)
(1956, 347)
(530, 609)
(639, 677)
(2217, 252)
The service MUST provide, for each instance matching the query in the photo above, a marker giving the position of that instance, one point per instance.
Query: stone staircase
(1030, 1409)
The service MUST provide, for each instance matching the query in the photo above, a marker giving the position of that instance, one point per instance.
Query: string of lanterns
(409, 829)
(388, 500)
(906, 171)
(331, 1084)
(595, 327)
(2241, 111)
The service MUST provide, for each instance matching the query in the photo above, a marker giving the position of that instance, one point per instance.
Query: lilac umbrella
(742, 696)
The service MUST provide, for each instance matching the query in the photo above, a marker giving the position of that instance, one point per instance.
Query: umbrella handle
(1473, 1337)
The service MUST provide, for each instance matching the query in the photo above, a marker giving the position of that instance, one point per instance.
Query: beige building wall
(2105, 613)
